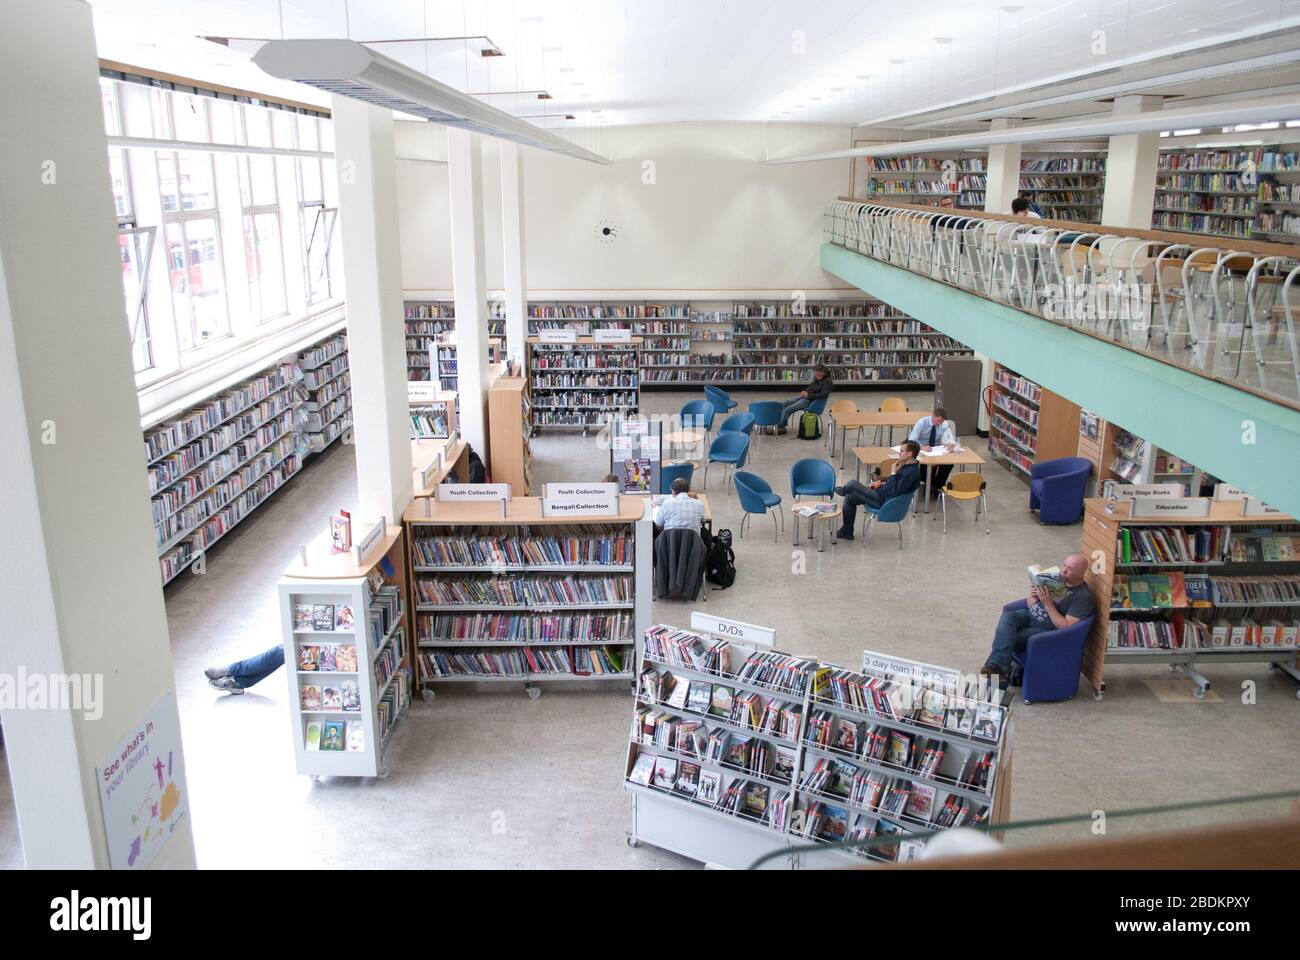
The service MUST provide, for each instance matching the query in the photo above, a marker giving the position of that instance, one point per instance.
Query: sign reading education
(142, 789)
(733, 629)
(580, 499)
(1180, 507)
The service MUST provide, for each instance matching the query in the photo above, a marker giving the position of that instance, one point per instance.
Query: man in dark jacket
(905, 478)
(818, 388)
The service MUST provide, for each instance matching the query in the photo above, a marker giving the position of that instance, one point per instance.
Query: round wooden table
(822, 519)
(683, 438)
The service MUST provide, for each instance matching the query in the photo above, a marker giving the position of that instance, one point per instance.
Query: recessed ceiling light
(567, 69)
(551, 49)
(943, 39)
(897, 60)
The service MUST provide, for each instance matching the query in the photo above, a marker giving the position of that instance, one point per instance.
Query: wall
(714, 221)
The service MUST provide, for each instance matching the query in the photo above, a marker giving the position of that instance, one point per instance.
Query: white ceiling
(829, 61)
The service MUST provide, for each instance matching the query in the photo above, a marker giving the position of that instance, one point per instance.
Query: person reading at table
(682, 510)
(819, 387)
(1043, 612)
(933, 432)
(905, 478)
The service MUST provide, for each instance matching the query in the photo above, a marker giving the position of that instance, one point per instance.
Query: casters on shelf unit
(1199, 693)
(633, 842)
(427, 695)
(533, 691)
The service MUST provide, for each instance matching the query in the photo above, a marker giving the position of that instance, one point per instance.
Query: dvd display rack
(325, 411)
(584, 383)
(346, 654)
(430, 321)
(503, 594)
(216, 462)
(737, 753)
(1192, 592)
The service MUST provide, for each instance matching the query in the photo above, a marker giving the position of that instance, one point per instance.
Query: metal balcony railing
(1218, 311)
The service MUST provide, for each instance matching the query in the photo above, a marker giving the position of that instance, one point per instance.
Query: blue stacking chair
(893, 510)
(738, 423)
(728, 448)
(818, 407)
(698, 413)
(719, 398)
(812, 478)
(671, 471)
(756, 496)
(767, 413)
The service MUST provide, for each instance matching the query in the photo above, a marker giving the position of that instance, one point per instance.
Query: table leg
(821, 537)
(929, 481)
(858, 473)
(795, 517)
(844, 446)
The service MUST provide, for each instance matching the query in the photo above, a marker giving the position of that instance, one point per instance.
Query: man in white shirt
(933, 432)
(1020, 207)
(682, 510)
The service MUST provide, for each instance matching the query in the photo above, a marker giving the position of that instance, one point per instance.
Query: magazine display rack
(737, 752)
(346, 654)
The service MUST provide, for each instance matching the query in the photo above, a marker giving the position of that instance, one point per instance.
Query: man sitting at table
(932, 432)
(681, 511)
(819, 387)
(905, 478)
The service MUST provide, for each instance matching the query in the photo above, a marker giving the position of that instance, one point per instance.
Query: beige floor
(486, 777)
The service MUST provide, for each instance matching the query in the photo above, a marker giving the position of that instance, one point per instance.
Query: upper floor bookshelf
(1250, 193)
(432, 321)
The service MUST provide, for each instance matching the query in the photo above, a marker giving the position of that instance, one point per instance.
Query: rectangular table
(871, 418)
(965, 457)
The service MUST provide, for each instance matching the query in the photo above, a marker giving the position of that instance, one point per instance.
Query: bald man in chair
(1042, 614)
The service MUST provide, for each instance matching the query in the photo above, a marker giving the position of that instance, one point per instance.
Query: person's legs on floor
(242, 674)
(1014, 629)
(792, 406)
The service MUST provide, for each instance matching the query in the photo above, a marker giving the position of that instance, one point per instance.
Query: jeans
(793, 406)
(857, 494)
(245, 673)
(1015, 627)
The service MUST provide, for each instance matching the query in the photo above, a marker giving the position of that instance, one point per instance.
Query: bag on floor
(810, 426)
(720, 560)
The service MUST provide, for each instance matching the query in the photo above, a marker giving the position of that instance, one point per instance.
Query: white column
(512, 236)
(372, 273)
(465, 184)
(1004, 171)
(80, 588)
(1131, 162)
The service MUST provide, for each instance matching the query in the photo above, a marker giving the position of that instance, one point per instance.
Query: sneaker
(226, 684)
(216, 673)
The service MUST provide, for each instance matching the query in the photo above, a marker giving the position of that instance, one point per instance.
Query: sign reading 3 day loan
(142, 788)
(580, 500)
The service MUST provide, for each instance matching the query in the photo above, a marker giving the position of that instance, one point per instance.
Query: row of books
(787, 341)
(878, 187)
(614, 311)
(814, 327)
(198, 494)
(692, 738)
(763, 354)
(593, 628)
(526, 661)
(1221, 634)
(314, 379)
(1202, 223)
(567, 381)
(322, 353)
(389, 660)
(586, 546)
(429, 422)
(914, 754)
(1271, 191)
(1278, 223)
(1177, 591)
(735, 796)
(520, 591)
(168, 437)
(252, 423)
(1205, 203)
(770, 716)
(1022, 412)
(1086, 214)
(392, 702)
(308, 421)
(583, 399)
(1063, 165)
(1143, 544)
(430, 311)
(585, 360)
(798, 309)
(1056, 185)
(331, 391)
(1024, 437)
(969, 711)
(385, 611)
(1205, 160)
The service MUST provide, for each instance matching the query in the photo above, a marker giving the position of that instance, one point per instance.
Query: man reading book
(905, 478)
(1052, 605)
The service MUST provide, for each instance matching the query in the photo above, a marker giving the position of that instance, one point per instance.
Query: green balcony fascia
(1245, 439)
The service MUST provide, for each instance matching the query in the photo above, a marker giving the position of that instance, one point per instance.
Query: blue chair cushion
(771, 499)
(810, 490)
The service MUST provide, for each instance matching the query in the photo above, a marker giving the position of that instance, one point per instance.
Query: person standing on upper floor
(817, 389)
(932, 433)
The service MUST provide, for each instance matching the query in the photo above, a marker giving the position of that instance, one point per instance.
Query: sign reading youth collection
(580, 499)
(473, 492)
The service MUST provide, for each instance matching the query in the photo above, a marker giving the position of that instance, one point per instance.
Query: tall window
(262, 246)
(316, 215)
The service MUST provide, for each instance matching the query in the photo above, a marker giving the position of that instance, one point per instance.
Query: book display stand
(1192, 591)
(346, 652)
(504, 594)
(737, 752)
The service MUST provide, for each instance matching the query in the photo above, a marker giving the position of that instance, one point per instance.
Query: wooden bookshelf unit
(1029, 424)
(584, 383)
(509, 429)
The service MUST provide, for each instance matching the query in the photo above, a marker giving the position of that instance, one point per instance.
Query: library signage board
(472, 492)
(1148, 491)
(737, 630)
(1182, 507)
(609, 335)
(429, 472)
(142, 789)
(1255, 507)
(1225, 491)
(580, 499)
(557, 336)
(873, 662)
(422, 391)
(370, 538)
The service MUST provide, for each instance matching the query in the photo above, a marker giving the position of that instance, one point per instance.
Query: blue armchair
(1056, 489)
(767, 413)
(671, 471)
(719, 398)
(728, 448)
(698, 413)
(738, 423)
(1052, 660)
(756, 496)
(811, 477)
(894, 510)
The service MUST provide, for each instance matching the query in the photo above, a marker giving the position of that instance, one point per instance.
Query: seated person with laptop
(906, 477)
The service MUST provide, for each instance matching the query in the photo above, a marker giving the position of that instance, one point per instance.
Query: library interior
(501, 324)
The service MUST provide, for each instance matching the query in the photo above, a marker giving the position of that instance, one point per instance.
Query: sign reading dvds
(733, 629)
(580, 499)
(881, 663)
(1181, 507)
(606, 335)
(1147, 491)
(473, 492)
(557, 336)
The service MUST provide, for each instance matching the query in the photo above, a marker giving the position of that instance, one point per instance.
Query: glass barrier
(913, 844)
(1201, 305)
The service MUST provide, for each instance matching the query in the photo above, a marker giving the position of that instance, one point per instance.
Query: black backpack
(719, 559)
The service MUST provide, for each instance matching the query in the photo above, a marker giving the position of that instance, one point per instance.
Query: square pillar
(1131, 162)
(465, 183)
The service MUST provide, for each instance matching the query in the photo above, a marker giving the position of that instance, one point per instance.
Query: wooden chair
(888, 405)
(838, 409)
(965, 486)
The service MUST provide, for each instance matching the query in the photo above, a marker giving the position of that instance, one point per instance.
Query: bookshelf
(584, 383)
(1207, 192)
(325, 411)
(1218, 588)
(431, 321)
(973, 182)
(910, 179)
(523, 598)
(510, 428)
(346, 654)
(1067, 186)
(212, 465)
(1277, 203)
(665, 329)
(1029, 424)
(433, 413)
(736, 752)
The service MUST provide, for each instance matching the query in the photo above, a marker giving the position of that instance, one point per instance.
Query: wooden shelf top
(519, 510)
(423, 453)
(323, 564)
(1221, 511)
(589, 341)
(438, 396)
(511, 384)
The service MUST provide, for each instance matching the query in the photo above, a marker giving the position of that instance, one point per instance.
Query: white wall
(715, 221)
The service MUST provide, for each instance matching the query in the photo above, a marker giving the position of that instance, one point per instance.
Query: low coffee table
(818, 525)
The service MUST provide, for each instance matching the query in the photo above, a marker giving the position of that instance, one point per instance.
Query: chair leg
(774, 533)
(943, 508)
(743, 518)
(985, 503)
(900, 534)
(706, 473)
